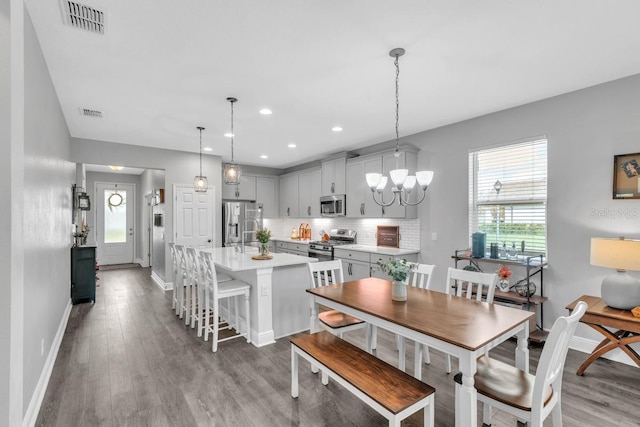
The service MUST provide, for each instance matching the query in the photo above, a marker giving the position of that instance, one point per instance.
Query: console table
(600, 316)
(533, 264)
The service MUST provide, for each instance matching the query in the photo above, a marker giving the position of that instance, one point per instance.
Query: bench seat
(389, 391)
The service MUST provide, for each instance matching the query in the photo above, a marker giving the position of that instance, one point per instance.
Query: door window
(115, 216)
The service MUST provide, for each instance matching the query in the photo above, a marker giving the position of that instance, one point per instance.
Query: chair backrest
(326, 273)
(472, 284)
(209, 277)
(181, 263)
(174, 257)
(554, 354)
(194, 273)
(421, 276)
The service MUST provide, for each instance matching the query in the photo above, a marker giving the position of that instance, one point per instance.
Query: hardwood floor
(128, 360)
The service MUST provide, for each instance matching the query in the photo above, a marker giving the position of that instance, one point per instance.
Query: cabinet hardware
(361, 208)
(309, 210)
(333, 187)
(288, 211)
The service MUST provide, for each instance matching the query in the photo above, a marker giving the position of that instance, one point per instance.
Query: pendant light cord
(200, 151)
(232, 133)
(397, 104)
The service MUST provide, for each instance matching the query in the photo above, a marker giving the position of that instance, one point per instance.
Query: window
(508, 194)
(115, 216)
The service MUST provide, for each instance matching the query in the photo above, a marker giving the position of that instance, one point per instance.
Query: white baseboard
(165, 286)
(31, 416)
(142, 262)
(586, 346)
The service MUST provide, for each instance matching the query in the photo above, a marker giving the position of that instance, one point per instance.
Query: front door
(194, 217)
(115, 210)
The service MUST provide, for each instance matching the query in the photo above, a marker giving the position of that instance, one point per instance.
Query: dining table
(461, 327)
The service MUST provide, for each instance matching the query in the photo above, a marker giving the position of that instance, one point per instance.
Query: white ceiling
(165, 66)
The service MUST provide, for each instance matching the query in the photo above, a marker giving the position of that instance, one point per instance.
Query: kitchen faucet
(245, 229)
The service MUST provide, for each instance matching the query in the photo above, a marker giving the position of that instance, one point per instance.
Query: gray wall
(153, 179)
(180, 168)
(48, 177)
(585, 129)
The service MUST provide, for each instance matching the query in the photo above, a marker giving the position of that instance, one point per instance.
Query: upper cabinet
(360, 202)
(309, 183)
(266, 196)
(333, 176)
(289, 196)
(246, 190)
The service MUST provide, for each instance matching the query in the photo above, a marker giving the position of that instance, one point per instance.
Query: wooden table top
(456, 320)
(598, 312)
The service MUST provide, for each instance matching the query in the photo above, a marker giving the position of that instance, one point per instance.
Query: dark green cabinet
(83, 274)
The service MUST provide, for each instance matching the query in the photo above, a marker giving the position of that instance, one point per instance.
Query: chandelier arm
(407, 203)
(381, 203)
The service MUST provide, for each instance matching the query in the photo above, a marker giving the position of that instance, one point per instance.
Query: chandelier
(403, 183)
(231, 173)
(200, 183)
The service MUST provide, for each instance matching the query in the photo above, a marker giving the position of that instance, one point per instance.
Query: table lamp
(618, 290)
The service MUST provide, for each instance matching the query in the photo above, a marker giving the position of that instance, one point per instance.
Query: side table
(600, 316)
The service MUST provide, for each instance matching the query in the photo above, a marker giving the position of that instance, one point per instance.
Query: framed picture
(388, 235)
(626, 174)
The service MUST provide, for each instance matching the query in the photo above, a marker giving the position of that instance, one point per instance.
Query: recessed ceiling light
(229, 134)
(116, 168)
(207, 149)
(264, 156)
(292, 145)
(336, 129)
(266, 111)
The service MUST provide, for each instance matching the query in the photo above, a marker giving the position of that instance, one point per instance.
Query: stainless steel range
(323, 250)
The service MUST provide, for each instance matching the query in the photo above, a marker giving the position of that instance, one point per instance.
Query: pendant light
(231, 173)
(402, 181)
(200, 183)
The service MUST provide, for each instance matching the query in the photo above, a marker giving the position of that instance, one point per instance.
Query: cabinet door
(246, 190)
(333, 176)
(309, 194)
(360, 203)
(354, 270)
(289, 196)
(266, 195)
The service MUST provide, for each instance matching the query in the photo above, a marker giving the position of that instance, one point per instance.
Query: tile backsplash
(366, 228)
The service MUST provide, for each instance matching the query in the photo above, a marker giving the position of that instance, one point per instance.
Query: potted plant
(263, 235)
(503, 273)
(399, 270)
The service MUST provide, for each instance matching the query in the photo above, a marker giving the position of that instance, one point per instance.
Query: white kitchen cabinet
(354, 270)
(333, 176)
(301, 249)
(360, 264)
(360, 202)
(246, 190)
(309, 183)
(266, 196)
(289, 196)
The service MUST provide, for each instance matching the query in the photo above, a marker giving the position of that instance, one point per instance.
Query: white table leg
(314, 325)
(522, 349)
(294, 373)
(401, 353)
(417, 370)
(466, 403)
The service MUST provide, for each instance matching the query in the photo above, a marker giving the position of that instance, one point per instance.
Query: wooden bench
(391, 392)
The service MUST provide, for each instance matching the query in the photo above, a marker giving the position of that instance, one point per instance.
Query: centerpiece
(503, 273)
(263, 235)
(399, 270)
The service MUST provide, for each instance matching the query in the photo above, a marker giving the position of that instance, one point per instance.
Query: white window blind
(508, 194)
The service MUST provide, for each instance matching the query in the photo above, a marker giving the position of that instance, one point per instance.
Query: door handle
(333, 187)
(209, 241)
(309, 210)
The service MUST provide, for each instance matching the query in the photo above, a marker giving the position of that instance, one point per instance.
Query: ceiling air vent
(87, 112)
(83, 17)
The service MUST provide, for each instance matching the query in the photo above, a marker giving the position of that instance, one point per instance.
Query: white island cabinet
(279, 302)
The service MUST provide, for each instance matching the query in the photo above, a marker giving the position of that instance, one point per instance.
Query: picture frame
(626, 176)
(388, 235)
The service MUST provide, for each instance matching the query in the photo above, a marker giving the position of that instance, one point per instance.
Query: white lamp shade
(398, 176)
(424, 178)
(373, 179)
(621, 254)
(382, 184)
(409, 183)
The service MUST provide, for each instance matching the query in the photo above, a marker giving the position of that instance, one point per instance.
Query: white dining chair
(176, 278)
(326, 273)
(181, 285)
(420, 277)
(529, 398)
(214, 292)
(196, 293)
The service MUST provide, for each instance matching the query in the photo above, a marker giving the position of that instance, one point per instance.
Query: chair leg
(235, 307)
(486, 414)
(194, 305)
(556, 414)
(216, 325)
(401, 354)
(248, 316)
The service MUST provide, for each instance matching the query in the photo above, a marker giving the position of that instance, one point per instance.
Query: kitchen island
(279, 303)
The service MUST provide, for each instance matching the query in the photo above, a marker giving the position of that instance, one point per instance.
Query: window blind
(508, 194)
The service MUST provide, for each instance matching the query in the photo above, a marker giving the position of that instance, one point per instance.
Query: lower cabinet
(83, 274)
(301, 249)
(358, 265)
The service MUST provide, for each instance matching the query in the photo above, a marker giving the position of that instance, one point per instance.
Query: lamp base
(621, 291)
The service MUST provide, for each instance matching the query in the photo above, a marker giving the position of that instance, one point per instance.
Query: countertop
(381, 250)
(229, 259)
(290, 240)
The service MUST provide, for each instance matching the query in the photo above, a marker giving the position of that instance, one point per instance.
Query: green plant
(398, 269)
(263, 235)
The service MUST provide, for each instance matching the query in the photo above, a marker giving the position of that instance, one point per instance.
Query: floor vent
(83, 17)
(87, 112)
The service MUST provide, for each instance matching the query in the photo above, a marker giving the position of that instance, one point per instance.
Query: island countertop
(229, 259)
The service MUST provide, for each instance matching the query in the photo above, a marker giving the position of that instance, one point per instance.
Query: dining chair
(174, 263)
(528, 397)
(195, 291)
(326, 273)
(420, 277)
(181, 285)
(471, 285)
(215, 291)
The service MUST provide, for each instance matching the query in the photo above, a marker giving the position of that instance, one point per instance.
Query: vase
(264, 250)
(398, 290)
(503, 285)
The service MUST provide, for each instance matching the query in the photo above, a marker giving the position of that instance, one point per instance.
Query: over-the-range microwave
(333, 205)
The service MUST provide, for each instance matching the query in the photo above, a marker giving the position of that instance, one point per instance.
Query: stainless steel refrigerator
(240, 218)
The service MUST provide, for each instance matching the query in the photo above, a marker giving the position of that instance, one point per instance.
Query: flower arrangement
(398, 269)
(503, 272)
(263, 235)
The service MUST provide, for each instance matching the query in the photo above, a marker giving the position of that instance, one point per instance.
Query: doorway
(115, 213)
(194, 217)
